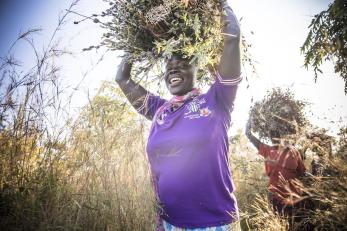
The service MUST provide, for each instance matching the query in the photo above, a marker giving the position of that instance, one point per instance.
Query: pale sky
(279, 26)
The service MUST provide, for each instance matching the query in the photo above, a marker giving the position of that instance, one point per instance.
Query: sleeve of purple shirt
(224, 92)
(151, 103)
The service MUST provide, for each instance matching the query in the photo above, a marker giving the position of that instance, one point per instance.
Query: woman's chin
(178, 92)
(175, 90)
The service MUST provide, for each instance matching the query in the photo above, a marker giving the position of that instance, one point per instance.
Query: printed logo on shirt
(160, 119)
(205, 112)
(196, 110)
(194, 106)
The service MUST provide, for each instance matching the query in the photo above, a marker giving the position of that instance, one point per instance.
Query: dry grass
(112, 177)
(327, 198)
(264, 217)
(90, 175)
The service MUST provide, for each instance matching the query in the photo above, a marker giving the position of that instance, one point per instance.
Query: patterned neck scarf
(175, 103)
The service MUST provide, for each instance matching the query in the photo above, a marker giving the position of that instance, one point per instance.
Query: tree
(326, 40)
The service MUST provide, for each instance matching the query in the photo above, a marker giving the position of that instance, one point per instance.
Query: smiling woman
(188, 144)
(180, 75)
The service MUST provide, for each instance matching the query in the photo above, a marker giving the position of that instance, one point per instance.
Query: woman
(188, 143)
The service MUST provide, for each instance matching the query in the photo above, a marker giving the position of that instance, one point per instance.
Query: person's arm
(229, 67)
(254, 140)
(134, 92)
(227, 72)
(143, 101)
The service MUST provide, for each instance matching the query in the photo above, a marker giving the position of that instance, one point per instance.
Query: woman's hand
(231, 24)
(124, 70)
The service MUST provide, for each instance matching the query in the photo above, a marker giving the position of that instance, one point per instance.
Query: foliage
(323, 202)
(90, 180)
(265, 218)
(248, 175)
(318, 141)
(84, 177)
(152, 30)
(278, 112)
(110, 171)
(326, 198)
(34, 194)
(342, 143)
(327, 39)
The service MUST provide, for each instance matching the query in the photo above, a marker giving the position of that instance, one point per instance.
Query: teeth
(175, 79)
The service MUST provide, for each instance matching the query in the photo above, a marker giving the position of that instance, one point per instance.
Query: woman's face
(179, 76)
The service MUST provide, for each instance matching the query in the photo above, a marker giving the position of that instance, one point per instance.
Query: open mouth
(174, 78)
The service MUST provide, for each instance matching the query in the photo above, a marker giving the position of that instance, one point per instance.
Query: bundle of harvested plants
(278, 113)
(150, 31)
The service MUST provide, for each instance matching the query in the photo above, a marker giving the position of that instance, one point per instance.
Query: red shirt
(282, 167)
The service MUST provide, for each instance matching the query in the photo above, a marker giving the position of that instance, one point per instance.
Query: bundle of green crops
(278, 112)
(149, 31)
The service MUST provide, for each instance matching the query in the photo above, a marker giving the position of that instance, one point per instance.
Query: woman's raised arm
(134, 92)
(230, 64)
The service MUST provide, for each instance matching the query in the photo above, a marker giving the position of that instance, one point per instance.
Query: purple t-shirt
(187, 152)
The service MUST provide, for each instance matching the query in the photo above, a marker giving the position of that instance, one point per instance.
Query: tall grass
(112, 177)
(90, 175)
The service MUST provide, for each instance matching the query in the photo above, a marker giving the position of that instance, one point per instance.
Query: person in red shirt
(283, 164)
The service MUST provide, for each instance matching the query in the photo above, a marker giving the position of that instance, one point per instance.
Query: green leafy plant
(327, 38)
